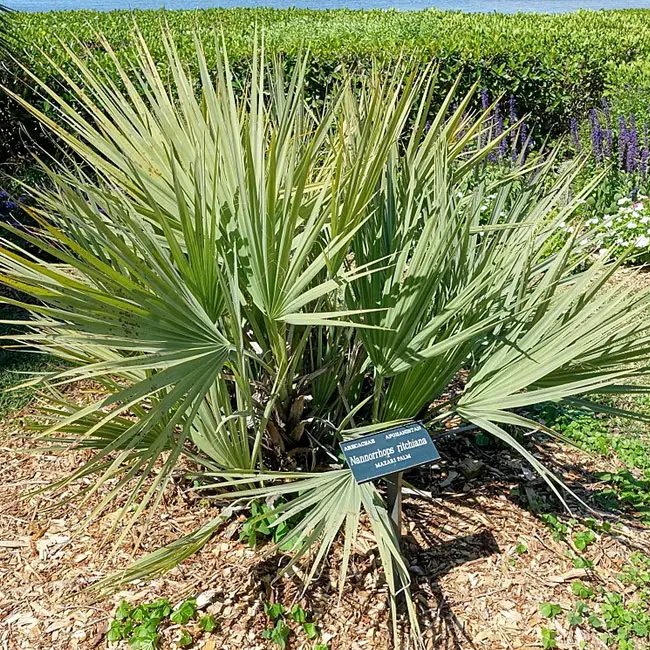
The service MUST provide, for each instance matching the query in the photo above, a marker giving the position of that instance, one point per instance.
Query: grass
(15, 366)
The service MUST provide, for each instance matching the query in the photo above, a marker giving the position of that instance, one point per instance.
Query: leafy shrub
(621, 620)
(624, 620)
(557, 66)
(253, 283)
(628, 89)
(637, 572)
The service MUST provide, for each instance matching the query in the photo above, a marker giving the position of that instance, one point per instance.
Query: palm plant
(252, 283)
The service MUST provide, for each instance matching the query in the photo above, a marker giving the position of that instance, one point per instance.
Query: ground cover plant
(252, 282)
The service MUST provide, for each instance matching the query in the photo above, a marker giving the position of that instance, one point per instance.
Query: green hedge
(556, 66)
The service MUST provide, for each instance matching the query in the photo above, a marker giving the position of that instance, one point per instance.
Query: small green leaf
(310, 630)
(185, 639)
(140, 614)
(143, 644)
(580, 562)
(144, 637)
(298, 614)
(280, 634)
(184, 613)
(594, 621)
(115, 632)
(581, 590)
(583, 539)
(548, 638)
(550, 610)
(123, 611)
(273, 611)
(160, 609)
(208, 623)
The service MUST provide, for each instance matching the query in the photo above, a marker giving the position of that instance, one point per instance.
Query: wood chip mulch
(472, 588)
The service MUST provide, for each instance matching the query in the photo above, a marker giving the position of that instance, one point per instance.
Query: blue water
(505, 6)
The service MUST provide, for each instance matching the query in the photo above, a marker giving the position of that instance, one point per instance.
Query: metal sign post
(386, 454)
(394, 502)
(394, 505)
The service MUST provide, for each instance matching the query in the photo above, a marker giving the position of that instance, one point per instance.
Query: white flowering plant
(626, 229)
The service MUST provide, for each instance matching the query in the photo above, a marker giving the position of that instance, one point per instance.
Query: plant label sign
(389, 451)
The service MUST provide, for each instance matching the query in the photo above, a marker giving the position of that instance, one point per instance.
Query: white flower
(642, 242)
(624, 201)
(645, 219)
(631, 225)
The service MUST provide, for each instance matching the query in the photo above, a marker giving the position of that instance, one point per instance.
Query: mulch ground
(473, 590)
(471, 586)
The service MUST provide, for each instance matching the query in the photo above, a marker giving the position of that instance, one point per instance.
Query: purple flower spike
(575, 135)
(622, 141)
(523, 139)
(513, 111)
(485, 99)
(632, 154)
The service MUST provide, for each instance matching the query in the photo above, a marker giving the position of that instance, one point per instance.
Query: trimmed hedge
(556, 66)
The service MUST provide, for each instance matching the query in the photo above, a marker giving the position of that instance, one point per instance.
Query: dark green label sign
(389, 451)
